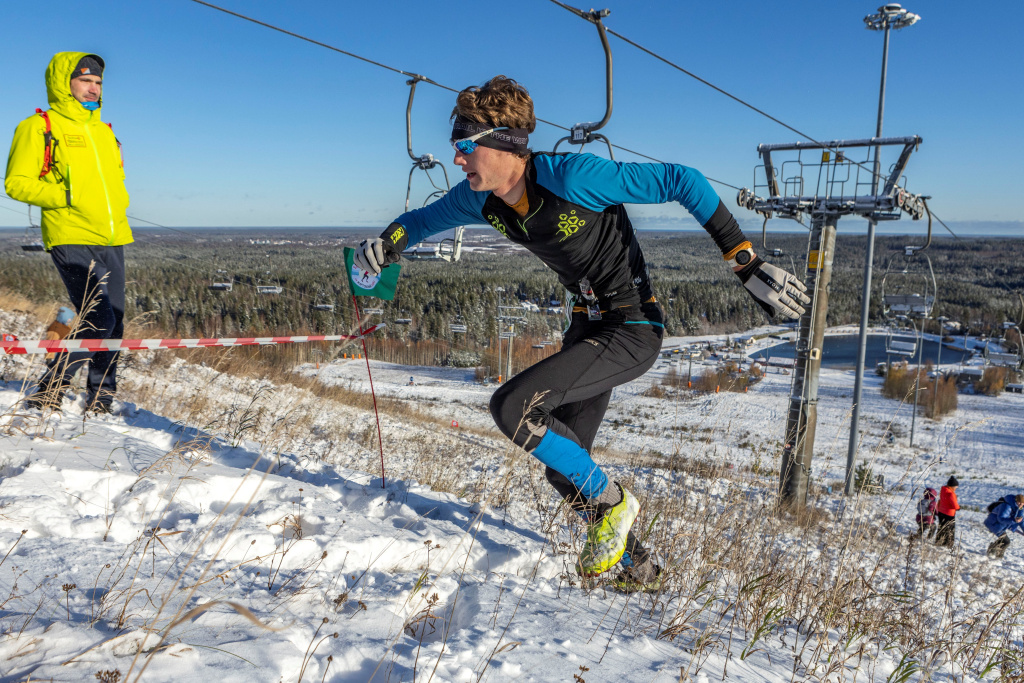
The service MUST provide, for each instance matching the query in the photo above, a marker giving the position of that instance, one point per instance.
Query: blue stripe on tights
(643, 322)
(573, 462)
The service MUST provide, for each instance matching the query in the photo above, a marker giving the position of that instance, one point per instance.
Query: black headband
(508, 140)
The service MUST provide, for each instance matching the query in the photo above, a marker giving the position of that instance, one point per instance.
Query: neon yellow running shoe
(644, 578)
(606, 536)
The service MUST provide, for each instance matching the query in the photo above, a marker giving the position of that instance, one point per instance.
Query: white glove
(371, 255)
(777, 292)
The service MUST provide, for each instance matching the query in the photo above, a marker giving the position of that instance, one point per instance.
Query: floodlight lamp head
(891, 15)
(909, 19)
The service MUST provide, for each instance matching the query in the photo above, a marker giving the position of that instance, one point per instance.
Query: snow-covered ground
(200, 549)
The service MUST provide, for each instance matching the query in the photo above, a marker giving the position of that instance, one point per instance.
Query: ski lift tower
(823, 180)
(507, 321)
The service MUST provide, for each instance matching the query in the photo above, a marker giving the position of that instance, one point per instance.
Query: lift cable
(134, 218)
(580, 13)
(419, 77)
(20, 213)
(585, 15)
(164, 227)
(948, 229)
(325, 45)
(569, 8)
(995, 279)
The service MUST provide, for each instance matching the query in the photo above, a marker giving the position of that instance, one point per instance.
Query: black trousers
(94, 279)
(946, 532)
(575, 386)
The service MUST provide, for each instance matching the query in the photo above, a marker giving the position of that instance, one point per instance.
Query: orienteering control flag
(370, 284)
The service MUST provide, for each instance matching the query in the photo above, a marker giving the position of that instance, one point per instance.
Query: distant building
(423, 251)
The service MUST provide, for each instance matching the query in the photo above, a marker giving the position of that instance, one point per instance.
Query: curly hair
(500, 101)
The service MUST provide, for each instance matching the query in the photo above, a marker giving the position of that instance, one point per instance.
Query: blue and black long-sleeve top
(576, 223)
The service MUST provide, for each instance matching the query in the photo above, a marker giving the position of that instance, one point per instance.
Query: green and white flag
(370, 284)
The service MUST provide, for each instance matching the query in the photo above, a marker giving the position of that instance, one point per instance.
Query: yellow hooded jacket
(88, 158)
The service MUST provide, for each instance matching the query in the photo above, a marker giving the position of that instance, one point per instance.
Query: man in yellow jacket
(68, 162)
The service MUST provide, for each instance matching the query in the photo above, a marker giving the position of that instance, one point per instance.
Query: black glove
(374, 254)
(775, 291)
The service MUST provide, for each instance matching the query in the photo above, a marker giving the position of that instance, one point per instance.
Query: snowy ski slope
(122, 528)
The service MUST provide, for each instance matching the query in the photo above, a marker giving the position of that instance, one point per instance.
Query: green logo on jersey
(497, 224)
(568, 224)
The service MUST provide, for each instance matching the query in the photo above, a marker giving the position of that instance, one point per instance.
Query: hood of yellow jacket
(58, 87)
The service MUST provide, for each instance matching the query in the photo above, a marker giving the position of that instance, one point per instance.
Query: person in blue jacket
(1005, 515)
(568, 210)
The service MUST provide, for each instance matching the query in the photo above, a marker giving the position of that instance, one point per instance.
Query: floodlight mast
(889, 16)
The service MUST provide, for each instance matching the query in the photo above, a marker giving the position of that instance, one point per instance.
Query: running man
(567, 209)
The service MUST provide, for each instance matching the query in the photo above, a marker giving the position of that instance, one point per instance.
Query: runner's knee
(510, 408)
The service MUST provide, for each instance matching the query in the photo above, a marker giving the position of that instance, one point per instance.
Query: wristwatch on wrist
(739, 257)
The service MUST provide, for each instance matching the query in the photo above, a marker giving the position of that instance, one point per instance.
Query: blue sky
(225, 123)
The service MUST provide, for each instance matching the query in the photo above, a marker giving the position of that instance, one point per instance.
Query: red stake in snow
(366, 355)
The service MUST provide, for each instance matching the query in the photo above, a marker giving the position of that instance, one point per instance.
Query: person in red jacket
(946, 513)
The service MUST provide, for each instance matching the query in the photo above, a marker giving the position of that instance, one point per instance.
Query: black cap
(89, 65)
(952, 482)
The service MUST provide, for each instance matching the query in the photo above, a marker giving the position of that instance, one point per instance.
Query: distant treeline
(169, 278)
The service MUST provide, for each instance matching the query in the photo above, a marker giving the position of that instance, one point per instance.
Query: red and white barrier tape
(12, 345)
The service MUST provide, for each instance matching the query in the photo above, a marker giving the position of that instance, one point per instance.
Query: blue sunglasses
(469, 145)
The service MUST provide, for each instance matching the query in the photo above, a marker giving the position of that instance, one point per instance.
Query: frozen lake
(840, 351)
